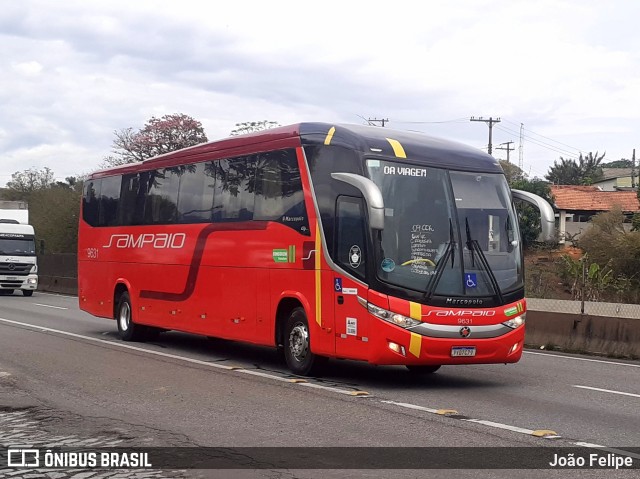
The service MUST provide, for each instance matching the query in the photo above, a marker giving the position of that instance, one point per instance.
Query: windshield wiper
(473, 245)
(449, 251)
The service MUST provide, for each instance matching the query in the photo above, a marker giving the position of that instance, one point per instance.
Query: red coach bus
(327, 241)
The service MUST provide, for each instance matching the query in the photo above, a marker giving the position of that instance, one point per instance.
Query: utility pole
(633, 169)
(521, 147)
(489, 122)
(375, 120)
(508, 148)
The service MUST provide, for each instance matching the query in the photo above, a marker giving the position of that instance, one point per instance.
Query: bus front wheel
(297, 345)
(127, 329)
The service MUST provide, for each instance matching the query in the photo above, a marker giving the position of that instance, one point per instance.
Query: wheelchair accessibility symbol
(338, 285)
(470, 280)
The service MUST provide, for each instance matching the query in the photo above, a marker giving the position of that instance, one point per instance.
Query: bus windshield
(447, 233)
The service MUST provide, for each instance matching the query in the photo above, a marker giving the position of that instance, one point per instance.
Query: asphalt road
(66, 379)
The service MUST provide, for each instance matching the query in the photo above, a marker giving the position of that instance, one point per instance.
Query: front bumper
(390, 344)
(29, 282)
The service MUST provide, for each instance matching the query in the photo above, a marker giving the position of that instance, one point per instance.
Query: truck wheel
(127, 329)
(27, 292)
(297, 345)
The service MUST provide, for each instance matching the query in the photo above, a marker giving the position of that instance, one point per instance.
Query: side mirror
(371, 193)
(547, 215)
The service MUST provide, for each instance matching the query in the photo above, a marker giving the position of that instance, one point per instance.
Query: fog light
(514, 348)
(396, 348)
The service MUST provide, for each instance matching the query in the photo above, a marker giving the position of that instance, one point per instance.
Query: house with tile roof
(576, 205)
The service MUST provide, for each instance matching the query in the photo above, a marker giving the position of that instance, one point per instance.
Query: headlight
(516, 322)
(393, 318)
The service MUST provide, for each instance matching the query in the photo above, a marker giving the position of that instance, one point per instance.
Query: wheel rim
(299, 342)
(124, 317)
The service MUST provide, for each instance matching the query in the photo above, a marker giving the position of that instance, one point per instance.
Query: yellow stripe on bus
(415, 311)
(415, 345)
(327, 140)
(318, 276)
(397, 148)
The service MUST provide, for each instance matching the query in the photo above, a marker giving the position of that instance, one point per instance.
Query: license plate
(464, 351)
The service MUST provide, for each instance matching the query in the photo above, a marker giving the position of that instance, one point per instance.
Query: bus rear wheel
(422, 370)
(297, 345)
(127, 329)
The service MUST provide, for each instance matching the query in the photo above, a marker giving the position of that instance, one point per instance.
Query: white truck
(18, 264)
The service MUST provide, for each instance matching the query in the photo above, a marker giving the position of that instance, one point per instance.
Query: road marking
(546, 434)
(183, 358)
(452, 414)
(49, 306)
(607, 391)
(412, 406)
(583, 359)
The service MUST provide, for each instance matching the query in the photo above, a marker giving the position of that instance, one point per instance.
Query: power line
(547, 138)
(457, 120)
(373, 121)
(568, 154)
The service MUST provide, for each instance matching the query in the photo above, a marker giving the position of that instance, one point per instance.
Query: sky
(562, 76)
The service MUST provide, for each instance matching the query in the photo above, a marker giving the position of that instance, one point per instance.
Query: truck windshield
(448, 233)
(17, 247)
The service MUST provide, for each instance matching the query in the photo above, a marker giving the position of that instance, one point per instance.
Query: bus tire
(422, 370)
(127, 329)
(27, 292)
(297, 345)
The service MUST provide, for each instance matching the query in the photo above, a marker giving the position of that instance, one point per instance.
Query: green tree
(251, 126)
(24, 183)
(585, 171)
(158, 136)
(511, 171)
(622, 163)
(528, 216)
(53, 212)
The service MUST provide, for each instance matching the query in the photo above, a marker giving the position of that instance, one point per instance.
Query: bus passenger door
(351, 319)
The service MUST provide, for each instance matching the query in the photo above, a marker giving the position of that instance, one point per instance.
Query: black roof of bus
(370, 140)
(417, 147)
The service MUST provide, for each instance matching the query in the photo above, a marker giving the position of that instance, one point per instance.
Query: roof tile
(590, 198)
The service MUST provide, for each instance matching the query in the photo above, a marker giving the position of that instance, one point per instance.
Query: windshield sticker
(405, 171)
(423, 251)
(373, 163)
(388, 265)
(470, 280)
(352, 326)
(355, 256)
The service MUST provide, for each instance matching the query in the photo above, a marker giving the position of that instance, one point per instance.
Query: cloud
(72, 73)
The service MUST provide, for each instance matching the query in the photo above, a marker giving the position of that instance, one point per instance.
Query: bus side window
(162, 197)
(350, 235)
(233, 189)
(279, 196)
(195, 197)
(128, 197)
(109, 199)
(90, 204)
